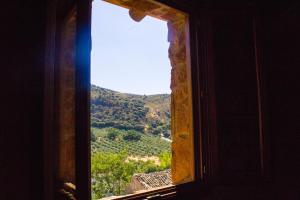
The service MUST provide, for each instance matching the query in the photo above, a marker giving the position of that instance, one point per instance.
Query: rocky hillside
(143, 113)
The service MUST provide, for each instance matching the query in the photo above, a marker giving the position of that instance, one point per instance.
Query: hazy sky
(129, 56)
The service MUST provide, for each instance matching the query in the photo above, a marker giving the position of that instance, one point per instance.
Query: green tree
(93, 136)
(132, 136)
(165, 160)
(110, 174)
(167, 133)
(112, 133)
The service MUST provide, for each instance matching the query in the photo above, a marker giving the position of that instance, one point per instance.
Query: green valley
(130, 134)
(149, 114)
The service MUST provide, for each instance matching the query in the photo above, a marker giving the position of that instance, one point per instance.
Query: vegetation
(112, 133)
(147, 145)
(128, 136)
(147, 114)
(112, 172)
(132, 136)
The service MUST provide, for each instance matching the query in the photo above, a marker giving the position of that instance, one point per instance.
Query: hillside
(143, 113)
(128, 136)
(146, 145)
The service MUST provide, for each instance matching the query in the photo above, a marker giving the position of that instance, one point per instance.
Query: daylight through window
(141, 108)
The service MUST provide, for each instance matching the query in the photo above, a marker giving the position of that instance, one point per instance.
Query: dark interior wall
(22, 63)
(281, 59)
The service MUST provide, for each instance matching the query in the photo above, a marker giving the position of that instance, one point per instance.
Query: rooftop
(154, 179)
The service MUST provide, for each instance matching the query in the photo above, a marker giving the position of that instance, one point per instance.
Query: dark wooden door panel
(236, 97)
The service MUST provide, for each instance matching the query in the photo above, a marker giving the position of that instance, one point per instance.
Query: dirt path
(144, 158)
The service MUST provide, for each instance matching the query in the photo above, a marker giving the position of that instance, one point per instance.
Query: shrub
(131, 136)
(165, 160)
(167, 134)
(112, 133)
(110, 174)
(93, 136)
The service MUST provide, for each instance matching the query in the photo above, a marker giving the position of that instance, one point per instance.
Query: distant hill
(144, 113)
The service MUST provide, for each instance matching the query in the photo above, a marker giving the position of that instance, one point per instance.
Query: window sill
(156, 193)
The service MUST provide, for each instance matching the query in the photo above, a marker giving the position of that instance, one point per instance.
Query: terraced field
(148, 145)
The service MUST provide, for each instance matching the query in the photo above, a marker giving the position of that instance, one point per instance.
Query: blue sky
(129, 56)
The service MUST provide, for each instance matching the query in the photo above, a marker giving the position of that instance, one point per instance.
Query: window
(130, 103)
(74, 91)
(114, 115)
(216, 55)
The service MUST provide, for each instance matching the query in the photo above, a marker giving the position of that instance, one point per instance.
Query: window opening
(141, 108)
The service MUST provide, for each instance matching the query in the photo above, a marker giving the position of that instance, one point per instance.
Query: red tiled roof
(154, 179)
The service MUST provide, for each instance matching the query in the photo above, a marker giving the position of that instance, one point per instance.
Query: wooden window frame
(203, 120)
(82, 121)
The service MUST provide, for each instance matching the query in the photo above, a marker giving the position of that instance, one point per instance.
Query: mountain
(144, 113)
